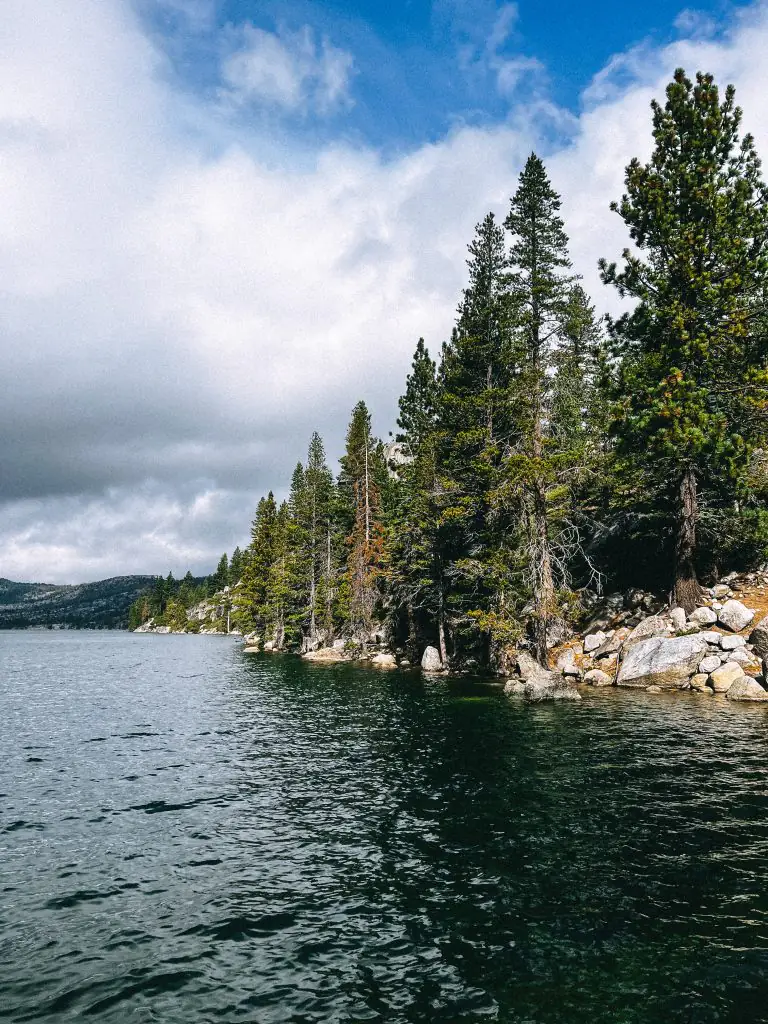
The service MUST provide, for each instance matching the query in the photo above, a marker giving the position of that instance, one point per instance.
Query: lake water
(190, 834)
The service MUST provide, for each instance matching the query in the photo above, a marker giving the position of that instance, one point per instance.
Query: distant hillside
(101, 605)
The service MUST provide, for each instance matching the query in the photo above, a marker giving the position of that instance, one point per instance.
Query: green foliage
(689, 398)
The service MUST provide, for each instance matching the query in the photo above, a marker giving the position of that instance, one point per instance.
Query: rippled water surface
(191, 834)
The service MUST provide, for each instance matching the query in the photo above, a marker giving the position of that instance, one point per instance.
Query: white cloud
(288, 70)
(490, 55)
(179, 314)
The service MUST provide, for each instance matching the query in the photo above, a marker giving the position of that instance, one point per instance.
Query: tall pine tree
(692, 355)
(539, 462)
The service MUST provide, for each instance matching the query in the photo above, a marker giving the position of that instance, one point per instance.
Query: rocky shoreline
(720, 648)
(628, 641)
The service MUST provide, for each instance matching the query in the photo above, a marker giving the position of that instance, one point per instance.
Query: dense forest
(547, 453)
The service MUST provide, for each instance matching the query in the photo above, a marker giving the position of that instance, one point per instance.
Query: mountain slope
(101, 605)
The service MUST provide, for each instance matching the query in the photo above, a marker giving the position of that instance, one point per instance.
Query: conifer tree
(318, 511)
(474, 428)
(258, 564)
(221, 576)
(236, 565)
(418, 406)
(417, 578)
(280, 580)
(539, 462)
(692, 356)
(363, 473)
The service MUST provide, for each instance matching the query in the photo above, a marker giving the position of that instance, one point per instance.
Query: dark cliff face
(100, 605)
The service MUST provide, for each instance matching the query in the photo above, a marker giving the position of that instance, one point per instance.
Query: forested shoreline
(546, 453)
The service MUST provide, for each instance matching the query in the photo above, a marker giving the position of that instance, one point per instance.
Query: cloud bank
(184, 300)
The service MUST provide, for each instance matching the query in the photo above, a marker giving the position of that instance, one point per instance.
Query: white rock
(747, 689)
(721, 590)
(746, 659)
(566, 663)
(654, 625)
(596, 677)
(703, 617)
(699, 682)
(709, 664)
(594, 640)
(712, 637)
(735, 616)
(722, 678)
(678, 618)
(730, 643)
(431, 660)
(661, 661)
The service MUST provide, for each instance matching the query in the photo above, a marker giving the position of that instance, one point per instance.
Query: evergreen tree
(363, 474)
(318, 528)
(280, 580)
(417, 581)
(693, 359)
(257, 565)
(418, 406)
(540, 463)
(236, 565)
(474, 428)
(220, 578)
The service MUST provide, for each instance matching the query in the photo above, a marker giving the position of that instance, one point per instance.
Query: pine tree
(539, 462)
(258, 563)
(692, 361)
(280, 586)
(417, 581)
(363, 475)
(318, 527)
(418, 406)
(474, 428)
(236, 565)
(220, 578)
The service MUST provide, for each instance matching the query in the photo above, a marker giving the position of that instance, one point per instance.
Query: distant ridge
(100, 605)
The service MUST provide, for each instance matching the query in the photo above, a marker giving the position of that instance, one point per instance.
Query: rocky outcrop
(661, 661)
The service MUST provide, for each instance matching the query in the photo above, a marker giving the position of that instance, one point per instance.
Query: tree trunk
(687, 592)
(441, 633)
(328, 591)
(545, 589)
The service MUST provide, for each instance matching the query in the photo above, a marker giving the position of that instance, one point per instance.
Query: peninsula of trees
(546, 452)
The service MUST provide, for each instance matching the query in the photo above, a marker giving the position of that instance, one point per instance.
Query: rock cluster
(717, 649)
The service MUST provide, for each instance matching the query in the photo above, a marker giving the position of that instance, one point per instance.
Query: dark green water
(190, 834)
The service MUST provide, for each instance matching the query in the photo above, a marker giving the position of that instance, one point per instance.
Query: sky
(224, 222)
